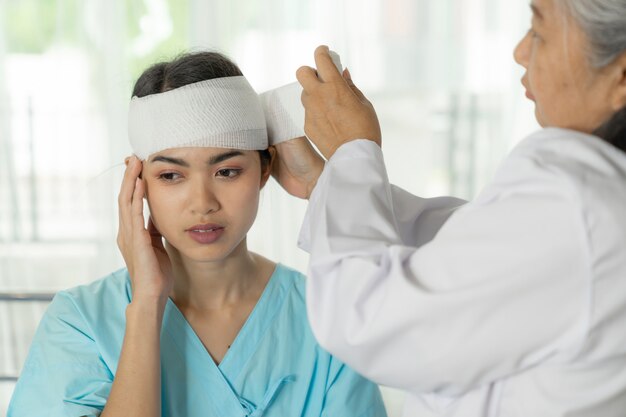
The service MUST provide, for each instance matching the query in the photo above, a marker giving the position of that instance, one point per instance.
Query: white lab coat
(511, 305)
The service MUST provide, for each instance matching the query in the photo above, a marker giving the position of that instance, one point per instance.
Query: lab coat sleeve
(349, 394)
(500, 285)
(416, 220)
(64, 375)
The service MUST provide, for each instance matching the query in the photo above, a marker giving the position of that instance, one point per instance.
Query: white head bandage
(221, 112)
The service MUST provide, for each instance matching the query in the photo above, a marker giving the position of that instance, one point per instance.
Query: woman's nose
(203, 198)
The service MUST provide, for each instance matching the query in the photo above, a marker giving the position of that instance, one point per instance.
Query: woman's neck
(220, 284)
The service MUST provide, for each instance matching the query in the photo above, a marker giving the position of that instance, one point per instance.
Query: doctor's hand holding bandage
(514, 303)
(336, 112)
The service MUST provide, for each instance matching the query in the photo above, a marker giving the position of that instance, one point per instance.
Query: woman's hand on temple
(147, 261)
(336, 111)
(297, 166)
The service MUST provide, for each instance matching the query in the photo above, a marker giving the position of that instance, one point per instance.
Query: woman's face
(567, 91)
(204, 200)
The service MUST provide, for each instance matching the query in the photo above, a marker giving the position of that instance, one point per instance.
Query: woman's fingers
(138, 222)
(155, 235)
(297, 167)
(141, 245)
(124, 233)
(125, 198)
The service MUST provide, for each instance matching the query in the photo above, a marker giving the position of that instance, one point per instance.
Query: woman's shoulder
(113, 285)
(110, 293)
(83, 315)
(286, 290)
(291, 279)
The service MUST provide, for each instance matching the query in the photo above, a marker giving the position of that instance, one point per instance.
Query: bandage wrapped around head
(221, 112)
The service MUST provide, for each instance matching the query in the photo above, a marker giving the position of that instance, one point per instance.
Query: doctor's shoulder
(572, 153)
(563, 162)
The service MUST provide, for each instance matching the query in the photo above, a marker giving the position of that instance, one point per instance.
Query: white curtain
(439, 72)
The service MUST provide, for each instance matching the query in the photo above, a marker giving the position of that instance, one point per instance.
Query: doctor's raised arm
(512, 304)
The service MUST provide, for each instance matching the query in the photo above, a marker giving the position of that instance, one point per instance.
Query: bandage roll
(222, 112)
(284, 113)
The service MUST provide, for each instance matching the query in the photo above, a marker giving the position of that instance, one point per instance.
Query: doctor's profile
(512, 304)
(196, 324)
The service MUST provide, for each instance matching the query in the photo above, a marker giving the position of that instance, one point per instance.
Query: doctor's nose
(522, 50)
(203, 199)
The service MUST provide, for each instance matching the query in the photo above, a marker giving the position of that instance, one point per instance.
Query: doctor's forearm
(136, 388)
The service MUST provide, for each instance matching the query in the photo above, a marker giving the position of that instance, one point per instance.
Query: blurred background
(439, 72)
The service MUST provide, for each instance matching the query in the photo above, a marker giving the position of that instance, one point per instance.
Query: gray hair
(604, 22)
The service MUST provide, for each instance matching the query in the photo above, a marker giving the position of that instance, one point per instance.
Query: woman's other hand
(297, 166)
(336, 111)
(147, 261)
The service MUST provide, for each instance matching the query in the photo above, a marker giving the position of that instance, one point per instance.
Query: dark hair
(187, 69)
(614, 130)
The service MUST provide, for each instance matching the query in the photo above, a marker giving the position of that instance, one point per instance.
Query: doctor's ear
(619, 93)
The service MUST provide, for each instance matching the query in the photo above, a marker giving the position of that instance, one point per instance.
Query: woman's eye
(169, 176)
(228, 172)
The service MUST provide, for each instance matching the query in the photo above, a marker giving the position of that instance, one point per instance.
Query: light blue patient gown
(273, 368)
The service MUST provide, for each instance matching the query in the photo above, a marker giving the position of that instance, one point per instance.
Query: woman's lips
(205, 233)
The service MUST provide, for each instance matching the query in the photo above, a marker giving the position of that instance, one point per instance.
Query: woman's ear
(267, 169)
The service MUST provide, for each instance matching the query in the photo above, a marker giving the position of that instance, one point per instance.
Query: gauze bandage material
(284, 113)
(221, 112)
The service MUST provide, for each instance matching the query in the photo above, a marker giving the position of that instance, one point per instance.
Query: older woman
(513, 304)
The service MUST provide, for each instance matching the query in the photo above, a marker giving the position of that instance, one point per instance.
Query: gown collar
(221, 378)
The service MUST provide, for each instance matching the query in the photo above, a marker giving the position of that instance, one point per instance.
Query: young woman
(196, 325)
(513, 304)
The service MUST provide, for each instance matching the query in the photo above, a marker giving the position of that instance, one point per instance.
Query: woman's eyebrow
(170, 160)
(216, 159)
(224, 156)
